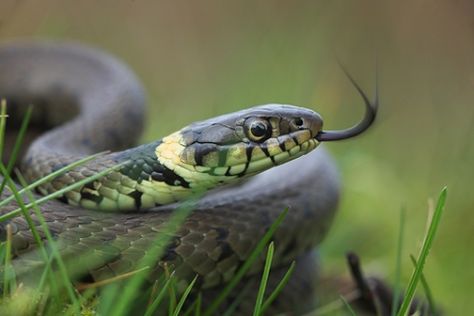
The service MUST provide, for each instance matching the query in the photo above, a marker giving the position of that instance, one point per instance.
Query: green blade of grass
(51, 176)
(197, 310)
(60, 192)
(156, 302)
(184, 297)
(18, 142)
(85, 309)
(86, 299)
(331, 307)
(246, 265)
(423, 254)
(45, 275)
(284, 280)
(426, 288)
(195, 307)
(108, 298)
(347, 305)
(398, 265)
(153, 291)
(264, 280)
(171, 292)
(3, 122)
(42, 302)
(7, 273)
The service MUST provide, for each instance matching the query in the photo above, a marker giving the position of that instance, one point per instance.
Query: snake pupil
(258, 129)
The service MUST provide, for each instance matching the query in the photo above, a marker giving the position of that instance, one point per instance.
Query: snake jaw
(222, 150)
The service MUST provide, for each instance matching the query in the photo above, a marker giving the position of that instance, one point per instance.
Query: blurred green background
(198, 59)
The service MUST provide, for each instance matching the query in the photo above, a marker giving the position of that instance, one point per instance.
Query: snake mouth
(245, 159)
(239, 159)
(261, 164)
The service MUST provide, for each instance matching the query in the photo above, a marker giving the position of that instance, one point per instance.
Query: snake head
(246, 142)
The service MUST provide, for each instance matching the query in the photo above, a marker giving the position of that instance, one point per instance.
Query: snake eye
(258, 130)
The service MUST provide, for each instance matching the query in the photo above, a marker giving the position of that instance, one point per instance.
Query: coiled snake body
(130, 206)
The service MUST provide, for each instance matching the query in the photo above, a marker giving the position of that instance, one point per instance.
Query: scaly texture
(106, 105)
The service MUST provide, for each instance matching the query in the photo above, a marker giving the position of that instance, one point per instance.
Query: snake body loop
(105, 105)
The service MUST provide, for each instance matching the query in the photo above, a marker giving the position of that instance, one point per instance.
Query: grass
(425, 250)
(398, 265)
(402, 308)
(347, 306)
(116, 296)
(426, 288)
(263, 282)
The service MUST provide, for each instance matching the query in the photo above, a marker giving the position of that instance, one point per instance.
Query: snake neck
(152, 175)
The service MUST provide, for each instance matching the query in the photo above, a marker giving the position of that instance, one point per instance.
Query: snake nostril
(298, 121)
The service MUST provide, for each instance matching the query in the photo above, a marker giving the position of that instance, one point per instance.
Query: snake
(248, 166)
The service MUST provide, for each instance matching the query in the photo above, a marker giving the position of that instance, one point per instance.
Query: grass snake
(119, 215)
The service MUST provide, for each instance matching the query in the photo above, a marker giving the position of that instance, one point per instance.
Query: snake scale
(120, 215)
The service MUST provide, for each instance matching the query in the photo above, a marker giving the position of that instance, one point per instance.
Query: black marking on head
(282, 145)
(137, 197)
(248, 152)
(172, 178)
(267, 153)
(201, 150)
(265, 150)
(85, 194)
(158, 176)
(158, 167)
(295, 140)
(92, 197)
(222, 156)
